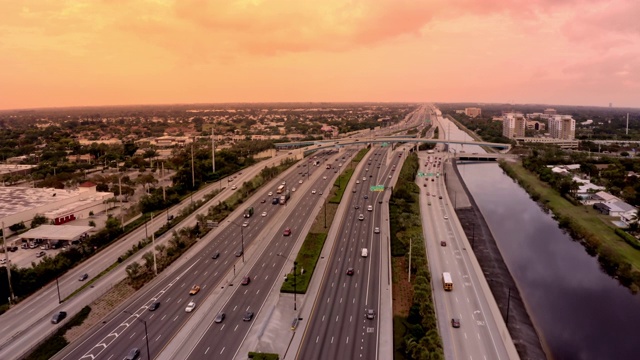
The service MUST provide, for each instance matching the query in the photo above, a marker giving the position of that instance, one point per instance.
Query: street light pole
(242, 240)
(58, 287)
(146, 334)
(295, 264)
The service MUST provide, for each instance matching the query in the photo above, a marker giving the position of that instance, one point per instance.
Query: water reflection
(581, 312)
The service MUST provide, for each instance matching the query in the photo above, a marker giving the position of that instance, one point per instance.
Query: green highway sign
(384, 144)
(420, 174)
(377, 188)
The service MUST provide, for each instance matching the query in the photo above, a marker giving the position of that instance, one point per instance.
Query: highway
(123, 331)
(338, 328)
(18, 333)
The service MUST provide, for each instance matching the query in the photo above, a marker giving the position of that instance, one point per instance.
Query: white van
(365, 252)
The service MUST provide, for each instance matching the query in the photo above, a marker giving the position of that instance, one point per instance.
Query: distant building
(562, 127)
(550, 112)
(536, 125)
(513, 125)
(562, 143)
(473, 111)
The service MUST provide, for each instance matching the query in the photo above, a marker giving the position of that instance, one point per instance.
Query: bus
(280, 189)
(447, 283)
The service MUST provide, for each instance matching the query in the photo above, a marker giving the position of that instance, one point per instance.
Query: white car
(370, 208)
(245, 224)
(190, 306)
(300, 181)
(234, 187)
(389, 176)
(294, 189)
(270, 193)
(264, 214)
(313, 191)
(364, 178)
(324, 178)
(361, 217)
(376, 230)
(446, 217)
(357, 181)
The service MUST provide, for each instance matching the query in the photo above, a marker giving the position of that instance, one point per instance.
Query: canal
(578, 310)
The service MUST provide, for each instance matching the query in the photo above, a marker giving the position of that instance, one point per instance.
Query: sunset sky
(57, 53)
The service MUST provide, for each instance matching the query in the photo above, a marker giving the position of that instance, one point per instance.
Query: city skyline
(71, 53)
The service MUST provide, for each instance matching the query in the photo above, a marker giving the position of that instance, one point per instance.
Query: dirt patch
(101, 308)
(402, 289)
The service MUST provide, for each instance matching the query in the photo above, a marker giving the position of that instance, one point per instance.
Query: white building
(513, 125)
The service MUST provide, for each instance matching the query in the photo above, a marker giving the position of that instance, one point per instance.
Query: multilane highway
(338, 327)
(123, 331)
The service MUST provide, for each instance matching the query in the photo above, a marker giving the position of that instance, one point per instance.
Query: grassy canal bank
(618, 255)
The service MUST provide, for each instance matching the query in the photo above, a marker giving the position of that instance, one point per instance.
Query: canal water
(579, 311)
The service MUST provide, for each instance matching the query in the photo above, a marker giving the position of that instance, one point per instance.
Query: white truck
(364, 252)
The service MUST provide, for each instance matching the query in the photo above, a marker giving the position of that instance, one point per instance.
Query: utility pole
(164, 194)
(121, 209)
(193, 174)
(213, 152)
(4, 244)
(153, 247)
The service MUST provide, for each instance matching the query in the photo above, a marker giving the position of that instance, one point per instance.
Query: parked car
(40, 254)
(59, 316)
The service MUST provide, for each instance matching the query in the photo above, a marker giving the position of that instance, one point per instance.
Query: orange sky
(107, 52)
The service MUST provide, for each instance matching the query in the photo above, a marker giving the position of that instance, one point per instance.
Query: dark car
(247, 316)
(154, 305)
(263, 201)
(370, 314)
(440, 197)
(366, 196)
(455, 323)
(59, 316)
(83, 277)
(216, 255)
(356, 206)
(275, 201)
(245, 280)
(443, 243)
(350, 271)
(133, 354)
(238, 253)
(379, 201)
(219, 318)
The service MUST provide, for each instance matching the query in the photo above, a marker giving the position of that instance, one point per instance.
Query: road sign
(377, 188)
(384, 144)
(421, 174)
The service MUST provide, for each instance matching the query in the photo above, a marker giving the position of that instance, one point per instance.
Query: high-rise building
(513, 125)
(562, 127)
(550, 111)
(473, 111)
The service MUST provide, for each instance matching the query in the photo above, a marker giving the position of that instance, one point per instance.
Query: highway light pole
(241, 238)
(146, 334)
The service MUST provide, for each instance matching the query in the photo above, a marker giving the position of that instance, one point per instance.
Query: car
(154, 305)
(370, 176)
(455, 323)
(264, 213)
(376, 230)
(219, 318)
(364, 178)
(245, 224)
(59, 316)
(357, 181)
(194, 290)
(389, 176)
(361, 217)
(275, 201)
(370, 208)
(239, 253)
(428, 193)
(270, 193)
(446, 217)
(83, 277)
(234, 187)
(245, 280)
(379, 201)
(335, 172)
(133, 354)
(354, 190)
(313, 191)
(443, 243)
(40, 254)
(190, 306)
(287, 232)
(350, 271)
(356, 206)
(434, 195)
(324, 178)
(367, 169)
(440, 197)
(247, 316)
(370, 314)
(216, 255)
(320, 193)
(300, 181)
(424, 185)
(366, 196)
(433, 179)
(293, 189)
(429, 203)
